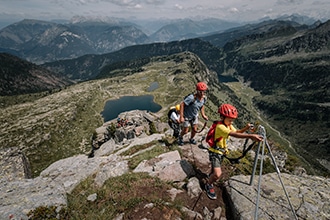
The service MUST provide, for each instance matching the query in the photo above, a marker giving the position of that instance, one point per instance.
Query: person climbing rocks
(189, 112)
(223, 131)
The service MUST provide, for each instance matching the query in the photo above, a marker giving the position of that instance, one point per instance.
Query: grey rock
(92, 197)
(193, 187)
(207, 214)
(192, 214)
(19, 197)
(173, 193)
(309, 196)
(168, 167)
(217, 213)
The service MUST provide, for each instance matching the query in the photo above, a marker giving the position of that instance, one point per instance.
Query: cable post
(264, 143)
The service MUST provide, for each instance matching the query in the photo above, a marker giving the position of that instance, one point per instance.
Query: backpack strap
(216, 140)
(193, 101)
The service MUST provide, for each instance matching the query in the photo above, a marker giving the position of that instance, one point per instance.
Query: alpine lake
(113, 108)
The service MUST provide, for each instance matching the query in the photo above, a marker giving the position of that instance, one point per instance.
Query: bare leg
(215, 175)
(193, 131)
(184, 131)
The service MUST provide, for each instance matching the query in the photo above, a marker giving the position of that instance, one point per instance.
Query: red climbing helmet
(228, 110)
(201, 86)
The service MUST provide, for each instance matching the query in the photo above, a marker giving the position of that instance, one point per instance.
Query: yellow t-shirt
(223, 131)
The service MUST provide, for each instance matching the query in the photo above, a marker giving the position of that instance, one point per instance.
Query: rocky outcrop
(14, 164)
(309, 194)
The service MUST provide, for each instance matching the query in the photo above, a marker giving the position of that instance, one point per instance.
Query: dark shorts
(215, 159)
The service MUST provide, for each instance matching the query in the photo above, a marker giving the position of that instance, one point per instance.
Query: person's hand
(181, 119)
(256, 137)
(251, 127)
(206, 118)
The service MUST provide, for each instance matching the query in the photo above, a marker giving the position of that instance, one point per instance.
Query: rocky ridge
(309, 194)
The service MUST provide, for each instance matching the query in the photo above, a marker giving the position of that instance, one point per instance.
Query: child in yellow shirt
(223, 131)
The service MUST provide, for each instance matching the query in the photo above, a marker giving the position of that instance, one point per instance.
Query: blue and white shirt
(192, 106)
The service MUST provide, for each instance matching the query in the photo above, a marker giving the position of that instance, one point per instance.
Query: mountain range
(41, 41)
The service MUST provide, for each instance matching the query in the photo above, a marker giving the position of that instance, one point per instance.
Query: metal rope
(260, 175)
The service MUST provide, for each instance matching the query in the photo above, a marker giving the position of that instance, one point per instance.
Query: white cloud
(233, 10)
(179, 6)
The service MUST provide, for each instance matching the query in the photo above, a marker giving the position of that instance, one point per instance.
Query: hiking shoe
(180, 141)
(192, 141)
(210, 191)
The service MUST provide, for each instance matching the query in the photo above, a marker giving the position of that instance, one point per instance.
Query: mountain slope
(13, 36)
(89, 66)
(20, 77)
(107, 37)
(265, 27)
(291, 70)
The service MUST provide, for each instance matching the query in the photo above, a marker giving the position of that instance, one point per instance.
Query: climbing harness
(223, 151)
(245, 151)
(264, 142)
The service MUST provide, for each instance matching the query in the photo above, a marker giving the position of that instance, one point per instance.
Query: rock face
(309, 195)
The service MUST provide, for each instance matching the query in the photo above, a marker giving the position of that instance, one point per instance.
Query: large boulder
(168, 167)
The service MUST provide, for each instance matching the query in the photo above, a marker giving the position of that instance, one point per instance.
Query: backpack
(210, 134)
(174, 125)
(172, 109)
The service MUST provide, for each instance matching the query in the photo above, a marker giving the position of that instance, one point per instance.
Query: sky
(232, 10)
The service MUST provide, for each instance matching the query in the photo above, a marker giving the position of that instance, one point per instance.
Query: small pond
(153, 86)
(113, 108)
